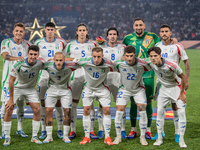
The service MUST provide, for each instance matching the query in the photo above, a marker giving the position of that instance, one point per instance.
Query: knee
(67, 112)
(36, 110)
(106, 111)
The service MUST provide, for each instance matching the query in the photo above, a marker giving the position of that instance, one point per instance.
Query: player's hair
(155, 49)
(113, 28)
(129, 49)
(165, 26)
(50, 24)
(97, 49)
(19, 25)
(137, 19)
(82, 24)
(59, 53)
(34, 48)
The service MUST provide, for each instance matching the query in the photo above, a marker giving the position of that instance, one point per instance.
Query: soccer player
(49, 45)
(131, 71)
(171, 91)
(26, 73)
(13, 49)
(172, 52)
(59, 74)
(96, 70)
(80, 48)
(113, 51)
(142, 41)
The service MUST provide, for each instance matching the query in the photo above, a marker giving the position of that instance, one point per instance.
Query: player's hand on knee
(183, 98)
(10, 105)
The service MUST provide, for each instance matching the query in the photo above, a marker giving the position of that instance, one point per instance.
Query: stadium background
(182, 15)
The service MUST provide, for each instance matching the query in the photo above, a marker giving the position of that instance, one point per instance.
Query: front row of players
(96, 69)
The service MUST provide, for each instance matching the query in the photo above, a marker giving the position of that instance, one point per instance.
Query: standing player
(142, 41)
(80, 48)
(172, 52)
(59, 74)
(96, 70)
(171, 91)
(26, 73)
(131, 71)
(49, 45)
(13, 49)
(112, 51)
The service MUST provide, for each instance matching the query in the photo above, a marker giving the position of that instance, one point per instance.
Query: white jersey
(167, 73)
(131, 76)
(59, 79)
(113, 53)
(10, 46)
(48, 50)
(96, 76)
(26, 75)
(77, 50)
(172, 52)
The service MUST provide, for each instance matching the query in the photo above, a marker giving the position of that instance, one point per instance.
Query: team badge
(89, 47)
(57, 46)
(147, 41)
(103, 70)
(171, 50)
(137, 70)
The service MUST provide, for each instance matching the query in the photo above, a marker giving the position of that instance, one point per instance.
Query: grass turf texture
(191, 136)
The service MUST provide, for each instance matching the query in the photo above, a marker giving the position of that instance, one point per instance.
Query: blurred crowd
(182, 15)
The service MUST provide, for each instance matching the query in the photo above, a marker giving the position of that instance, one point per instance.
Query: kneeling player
(131, 71)
(171, 91)
(59, 73)
(26, 73)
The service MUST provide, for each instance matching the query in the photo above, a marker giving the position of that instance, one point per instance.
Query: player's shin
(182, 122)
(92, 117)
(133, 115)
(59, 117)
(35, 127)
(74, 116)
(107, 125)
(86, 125)
(160, 121)
(20, 113)
(7, 127)
(118, 122)
(43, 115)
(123, 120)
(176, 121)
(100, 118)
(143, 122)
(2, 116)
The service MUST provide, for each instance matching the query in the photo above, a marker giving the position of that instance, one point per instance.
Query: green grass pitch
(192, 135)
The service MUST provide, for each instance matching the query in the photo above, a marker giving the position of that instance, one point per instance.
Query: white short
(168, 95)
(30, 95)
(53, 95)
(113, 80)
(124, 96)
(77, 83)
(42, 83)
(102, 94)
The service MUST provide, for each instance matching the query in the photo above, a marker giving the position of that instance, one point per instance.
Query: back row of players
(16, 48)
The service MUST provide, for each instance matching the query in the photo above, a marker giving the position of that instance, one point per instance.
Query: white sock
(118, 122)
(49, 131)
(43, 115)
(182, 122)
(20, 113)
(107, 125)
(35, 127)
(133, 129)
(143, 122)
(66, 130)
(100, 118)
(59, 117)
(123, 120)
(160, 121)
(3, 110)
(74, 116)
(86, 125)
(92, 117)
(7, 127)
(176, 121)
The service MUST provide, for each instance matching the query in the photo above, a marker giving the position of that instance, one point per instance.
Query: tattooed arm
(8, 57)
(187, 72)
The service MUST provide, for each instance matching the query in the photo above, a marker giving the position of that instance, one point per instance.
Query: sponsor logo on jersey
(44, 47)
(89, 68)
(13, 48)
(76, 48)
(106, 51)
(20, 54)
(3, 48)
(124, 70)
(147, 41)
(26, 71)
(89, 47)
